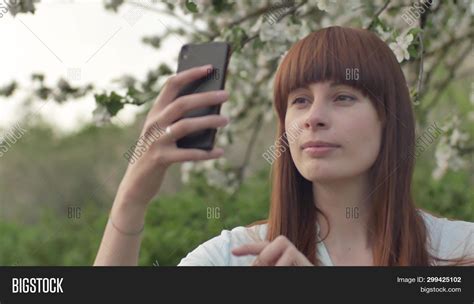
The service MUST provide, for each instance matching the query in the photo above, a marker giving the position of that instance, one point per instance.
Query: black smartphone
(194, 55)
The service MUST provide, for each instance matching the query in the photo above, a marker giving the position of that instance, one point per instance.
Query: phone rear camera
(184, 52)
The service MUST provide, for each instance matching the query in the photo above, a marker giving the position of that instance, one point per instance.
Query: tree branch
(248, 152)
(377, 14)
(260, 12)
(168, 13)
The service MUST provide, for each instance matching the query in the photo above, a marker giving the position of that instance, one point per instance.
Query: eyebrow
(332, 84)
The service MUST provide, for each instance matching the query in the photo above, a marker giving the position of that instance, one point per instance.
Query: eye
(299, 100)
(346, 99)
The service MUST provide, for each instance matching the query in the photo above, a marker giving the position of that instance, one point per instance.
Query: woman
(341, 192)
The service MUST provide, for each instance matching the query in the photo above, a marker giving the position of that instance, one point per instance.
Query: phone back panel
(193, 55)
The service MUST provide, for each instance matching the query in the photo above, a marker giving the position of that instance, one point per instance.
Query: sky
(83, 43)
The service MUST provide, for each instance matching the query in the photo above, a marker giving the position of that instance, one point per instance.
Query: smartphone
(194, 55)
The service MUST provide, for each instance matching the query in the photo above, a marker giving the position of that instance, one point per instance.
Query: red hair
(397, 231)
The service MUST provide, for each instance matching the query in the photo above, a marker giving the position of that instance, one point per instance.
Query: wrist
(124, 232)
(130, 196)
(123, 207)
(127, 217)
(138, 190)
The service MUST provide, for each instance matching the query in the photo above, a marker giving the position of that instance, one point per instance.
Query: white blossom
(252, 75)
(400, 47)
(447, 152)
(203, 3)
(457, 137)
(273, 32)
(222, 139)
(443, 154)
(385, 36)
(323, 5)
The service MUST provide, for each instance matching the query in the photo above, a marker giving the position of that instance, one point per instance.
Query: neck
(345, 204)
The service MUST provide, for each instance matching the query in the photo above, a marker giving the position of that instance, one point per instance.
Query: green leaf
(415, 31)
(43, 93)
(39, 77)
(412, 50)
(191, 6)
(113, 5)
(154, 41)
(9, 89)
(113, 102)
(376, 22)
(164, 69)
(414, 93)
(221, 5)
(236, 37)
(257, 44)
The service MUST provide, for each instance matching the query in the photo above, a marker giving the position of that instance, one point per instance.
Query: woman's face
(339, 127)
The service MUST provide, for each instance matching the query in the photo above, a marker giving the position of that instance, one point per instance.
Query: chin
(319, 171)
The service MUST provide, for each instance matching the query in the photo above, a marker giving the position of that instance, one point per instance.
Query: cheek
(362, 137)
(358, 131)
(293, 127)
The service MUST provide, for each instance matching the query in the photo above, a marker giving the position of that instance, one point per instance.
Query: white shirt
(446, 239)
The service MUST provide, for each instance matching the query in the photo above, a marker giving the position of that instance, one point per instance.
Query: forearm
(121, 241)
(144, 175)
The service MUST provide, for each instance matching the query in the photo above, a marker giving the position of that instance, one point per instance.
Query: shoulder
(217, 251)
(449, 238)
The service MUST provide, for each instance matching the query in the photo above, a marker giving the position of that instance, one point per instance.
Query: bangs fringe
(342, 55)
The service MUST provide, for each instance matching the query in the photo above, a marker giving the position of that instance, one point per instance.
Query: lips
(319, 148)
(319, 144)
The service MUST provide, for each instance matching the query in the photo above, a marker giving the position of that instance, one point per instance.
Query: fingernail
(222, 94)
(223, 121)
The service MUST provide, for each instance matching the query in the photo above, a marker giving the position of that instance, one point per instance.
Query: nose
(317, 116)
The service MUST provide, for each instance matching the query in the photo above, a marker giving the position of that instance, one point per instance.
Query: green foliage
(450, 197)
(61, 92)
(236, 37)
(46, 175)
(136, 93)
(176, 223)
(174, 226)
(8, 89)
(191, 6)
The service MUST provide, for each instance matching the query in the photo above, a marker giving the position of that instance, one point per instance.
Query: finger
(183, 104)
(251, 248)
(186, 126)
(256, 262)
(271, 253)
(182, 155)
(288, 258)
(175, 83)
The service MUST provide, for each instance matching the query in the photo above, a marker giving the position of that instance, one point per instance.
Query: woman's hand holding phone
(121, 241)
(143, 177)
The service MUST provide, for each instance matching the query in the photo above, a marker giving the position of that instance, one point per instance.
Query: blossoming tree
(431, 39)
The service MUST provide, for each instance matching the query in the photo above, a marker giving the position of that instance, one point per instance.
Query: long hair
(397, 231)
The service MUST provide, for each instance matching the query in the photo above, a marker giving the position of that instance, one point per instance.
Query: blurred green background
(45, 175)
(56, 191)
